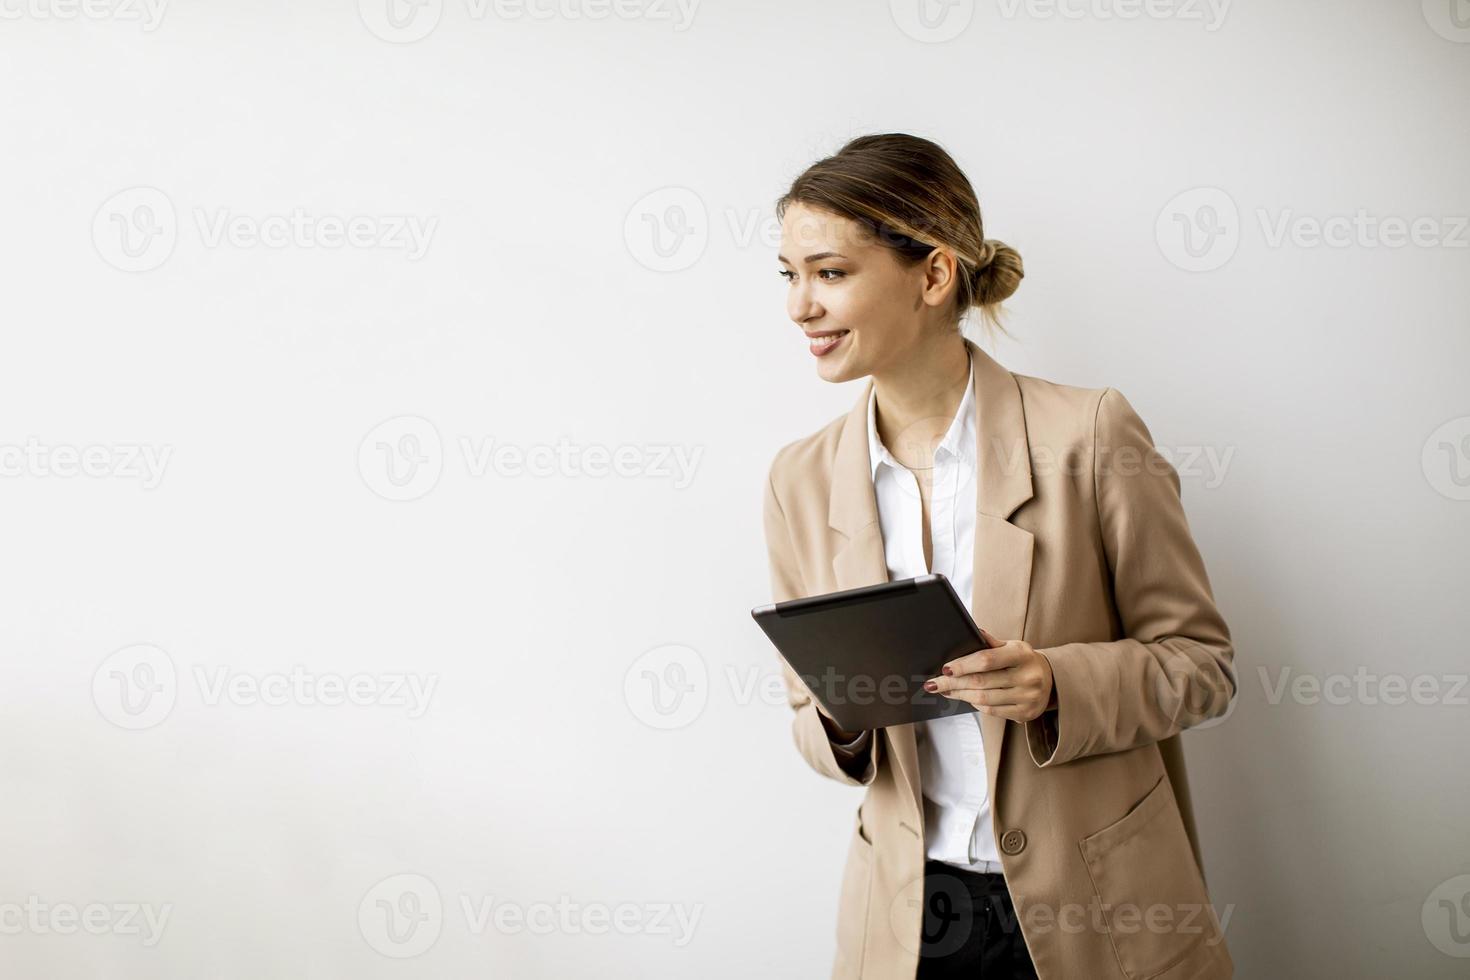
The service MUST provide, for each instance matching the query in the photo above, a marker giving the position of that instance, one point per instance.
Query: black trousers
(970, 927)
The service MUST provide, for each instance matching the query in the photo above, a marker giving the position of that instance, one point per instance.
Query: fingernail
(930, 686)
(947, 671)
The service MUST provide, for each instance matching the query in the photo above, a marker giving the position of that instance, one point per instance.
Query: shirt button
(1013, 842)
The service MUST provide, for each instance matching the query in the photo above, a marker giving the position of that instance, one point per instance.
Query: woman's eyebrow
(815, 256)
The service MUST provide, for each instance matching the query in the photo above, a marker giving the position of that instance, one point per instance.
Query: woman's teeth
(823, 345)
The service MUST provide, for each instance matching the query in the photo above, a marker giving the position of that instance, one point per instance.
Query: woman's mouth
(826, 342)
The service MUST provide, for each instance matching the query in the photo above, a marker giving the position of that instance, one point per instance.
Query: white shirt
(957, 818)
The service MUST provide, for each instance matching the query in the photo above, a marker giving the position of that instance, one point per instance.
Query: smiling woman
(1066, 786)
(859, 228)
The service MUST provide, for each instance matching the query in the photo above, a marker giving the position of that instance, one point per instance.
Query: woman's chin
(836, 373)
(836, 367)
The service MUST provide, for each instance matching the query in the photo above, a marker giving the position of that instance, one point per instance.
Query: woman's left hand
(1010, 679)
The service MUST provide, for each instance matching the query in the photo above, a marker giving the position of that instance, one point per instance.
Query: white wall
(535, 309)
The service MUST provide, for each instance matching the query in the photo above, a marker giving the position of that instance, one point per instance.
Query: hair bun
(998, 272)
(988, 249)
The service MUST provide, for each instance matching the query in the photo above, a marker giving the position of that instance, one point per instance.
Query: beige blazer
(1081, 549)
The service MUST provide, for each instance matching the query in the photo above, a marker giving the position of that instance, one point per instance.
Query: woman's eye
(790, 276)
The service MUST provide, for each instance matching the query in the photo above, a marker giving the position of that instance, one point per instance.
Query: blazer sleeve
(1174, 668)
(812, 740)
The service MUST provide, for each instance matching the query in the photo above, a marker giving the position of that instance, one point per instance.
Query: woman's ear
(941, 270)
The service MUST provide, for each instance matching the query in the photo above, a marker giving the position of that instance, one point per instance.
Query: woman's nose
(800, 306)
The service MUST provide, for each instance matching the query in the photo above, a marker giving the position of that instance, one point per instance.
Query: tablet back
(865, 653)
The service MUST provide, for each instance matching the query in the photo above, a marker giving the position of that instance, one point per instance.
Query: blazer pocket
(1152, 894)
(852, 903)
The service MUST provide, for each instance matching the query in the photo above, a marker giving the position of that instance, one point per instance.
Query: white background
(601, 274)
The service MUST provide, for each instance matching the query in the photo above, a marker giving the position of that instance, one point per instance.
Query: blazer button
(1013, 842)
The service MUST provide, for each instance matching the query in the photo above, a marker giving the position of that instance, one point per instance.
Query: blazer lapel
(1002, 566)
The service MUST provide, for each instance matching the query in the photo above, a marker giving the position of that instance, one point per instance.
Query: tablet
(865, 653)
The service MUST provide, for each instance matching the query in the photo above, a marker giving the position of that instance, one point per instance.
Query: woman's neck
(917, 400)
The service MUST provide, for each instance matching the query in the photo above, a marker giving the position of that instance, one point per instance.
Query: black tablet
(866, 652)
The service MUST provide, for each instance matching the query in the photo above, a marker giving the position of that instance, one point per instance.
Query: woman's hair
(910, 195)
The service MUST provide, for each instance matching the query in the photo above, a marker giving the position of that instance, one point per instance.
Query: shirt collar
(959, 439)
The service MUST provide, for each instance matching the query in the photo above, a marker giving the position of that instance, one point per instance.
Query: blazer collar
(1000, 450)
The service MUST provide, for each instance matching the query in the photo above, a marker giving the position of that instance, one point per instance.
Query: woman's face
(861, 307)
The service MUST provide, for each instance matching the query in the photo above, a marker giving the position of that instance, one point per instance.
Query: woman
(1050, 833)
